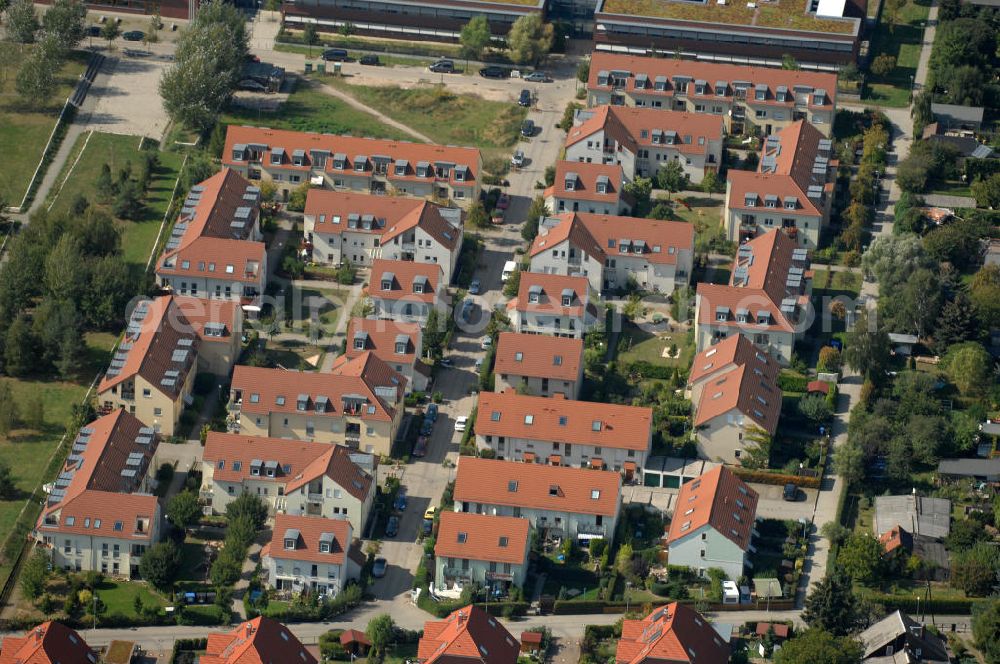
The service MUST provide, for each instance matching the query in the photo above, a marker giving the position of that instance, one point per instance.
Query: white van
(508, 269)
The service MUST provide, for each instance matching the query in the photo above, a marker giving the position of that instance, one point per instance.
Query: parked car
(537, 77)
(443, 67)
(400, 503)
(494, 72)
(525, 98)
(486, 342)
(474, 287)
(426, 427)
(251, 85)
(428, 526)
(508, 269)
(468, 306)
(133, 35)
(479, 365)
(517, 159)
(503, 202)
(430, 512)
(93, 31)
(420, 449)
(392, 528)
(432, 412)
(378, 569)
(790, 493)
(446, 362)
(528, 128)
(369, 60)
(461, 422)
(335, 54)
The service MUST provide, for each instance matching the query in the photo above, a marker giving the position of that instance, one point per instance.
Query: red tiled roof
(819, 386)
(741, 389)
(216, 258)
(495, 539)
(257, 641)
(349, 636)
(563, 420)
(469, 635)
(593, 233)
(718, 499)
(633, 127)
(48, 643)
(535, 355)
(199, 311)
(555, 488)
(711, 73)
(781, 630)
(731, 352)
(585, 182)
(311, 529)
(380, 339)
(550, 298)
(403, 275)
(672, 633)
(894, 538)
(352, 147)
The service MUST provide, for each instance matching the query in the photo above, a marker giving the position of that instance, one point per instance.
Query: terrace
(781, 14)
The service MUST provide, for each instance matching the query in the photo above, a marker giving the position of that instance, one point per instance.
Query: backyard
(901, 41)
(655, 343)
(705, 213)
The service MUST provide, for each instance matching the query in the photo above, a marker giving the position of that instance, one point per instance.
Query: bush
(778, 479)
(789, 382)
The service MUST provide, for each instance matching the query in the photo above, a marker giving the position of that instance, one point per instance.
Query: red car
(420, 449)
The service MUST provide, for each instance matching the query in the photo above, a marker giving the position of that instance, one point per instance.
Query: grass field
(385, 59)
(640, 345)
(24, 128)
(119, 597)
(706, 214)
(310, 109)
(445, 117)
(903, 43)
(841, 282)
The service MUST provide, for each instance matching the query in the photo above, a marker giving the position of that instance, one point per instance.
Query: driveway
(128, 96)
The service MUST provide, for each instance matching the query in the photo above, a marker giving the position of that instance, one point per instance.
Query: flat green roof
(787, 14)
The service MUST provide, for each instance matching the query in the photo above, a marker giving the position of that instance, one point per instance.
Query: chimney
(461, 617)
(249, 629)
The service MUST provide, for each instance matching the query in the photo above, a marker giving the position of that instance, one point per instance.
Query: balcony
(314, 497)
(457, 573)
(591, 529)
(206, 494)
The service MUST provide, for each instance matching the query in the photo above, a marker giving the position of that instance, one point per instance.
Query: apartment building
(477, 548)
(359, 228)
(311, 554)
(538, 365)
(563, 432)
(767, 299)
(734, 389)
(48, 643)
(100, 513)
(358, 405)
(215, 249)
(642, 140)
(467, 630)
(153, 368)
(613, 251)
(553, 304)
(750, 100)
(675, 633)
(258, 640)
(219, 326)
(792, 188)
(582, 187)
(377, 166)
(400, 345)
(577, 503)
(291, 476)
(406, 291)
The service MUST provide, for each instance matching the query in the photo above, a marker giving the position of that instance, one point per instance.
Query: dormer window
(722, 314)
(571, 181)
(402, 343)
(770, 201)
(420, 285)
(534, 294)
(289, 544)
(603, 184)
(239, 152)
(359, 343)
(603, 78)
(277, 156)
(360, 164)
(302, 403)
(781, 94)
(399, 168)
(720, 88)
(340, 161)
(299, 157)
(700, 87)
(460, 172)
(553, 490)
(763, 318)
(567, 300)
(750, 200)
(660, 83)
(791, 202)
(819, 98)
(742, 315)
(324, 547)
(760, 92)
(681, 84)
(387, 282)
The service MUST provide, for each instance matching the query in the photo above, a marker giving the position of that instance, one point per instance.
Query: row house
(792, 188)
(219, 326)
(673, 633)
(478, 548)
(400, 345)
(581, 187)
(215, 249)
(750, 100)
(311, 554)
(290, 476)
(48, 643)
(642, 140)
(100, 514)
(377, 166)
(563, 432)
(360, 228)
(258, 640)
(736, 397)
(553, 304)
(576, 503)
(766, 300)
(713, 523)
(538, 364)
(152, 371)
(612, 252)
(468, 633)
(359, 404)
(406, 291)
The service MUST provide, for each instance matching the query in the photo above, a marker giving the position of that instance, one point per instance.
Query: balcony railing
(591, 529)
(457, 573)
(314, 497)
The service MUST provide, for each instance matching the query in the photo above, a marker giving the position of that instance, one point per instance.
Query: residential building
(713, 523)
(900, 638)
(614, 251)
(553, 304)
(291, 476)
(642, 140)
(977, 470)
(215, 249)
(469, 633)
(48, 643)
(898, 543)
(400, 345)
(562, 432)
(538, 364)
(100, 513)
(792, 188)
(582, 187)
(750, 99)
(219, 326)
(576, 503)
(377, 166)
(671, 633)
(153, 368)
(346, 226)
(406, 291)
(478, 548)
(920, 515)
(957, 116)
(735, 394)
(255, 642)
(311, 554)
(767, 299)
(359, 404)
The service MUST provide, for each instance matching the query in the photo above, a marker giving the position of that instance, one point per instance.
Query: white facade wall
(466, 571)
(569, 524)
(577, 454)
(706, 548)
(324, 578)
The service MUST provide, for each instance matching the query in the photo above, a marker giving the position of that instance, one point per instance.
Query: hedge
(981, 168)
(649, 370)
(187, 645)
(569, 607)
(958, 607)
(789, 382)
(778, 479)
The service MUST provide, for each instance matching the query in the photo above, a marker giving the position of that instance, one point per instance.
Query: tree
(970, 367)
(8, 487)
(817, 646)
(105, 185)
(987, 191)
(975, 570)
(34, 574)
(867, 348)
(128, 203)
(19, 348)
(893, 258)
(36, 80)
(789, 62)
(184, 510)
(380, 631)
(155, 23)
(65, 21)
(640, 189)
(433, 335)
(984, 292)
(958, 243)
(226, 569)
(475, 37)
(529, 39)
(309, 35)
(537, 210)
(8, 420)
(957, 323)
(477, 217)
(815, 408)
(709, 182)
(758, 448)
(22, 22)
(160, 564)
(986, 629)
(583, 71)
(672, 177)
(883, 64)
(111, 287)
(861, 557)
(247, 506)
(110, 32)
(831, 605)
(297, 199)
(623, 561)
(829, 359)
(915, 305)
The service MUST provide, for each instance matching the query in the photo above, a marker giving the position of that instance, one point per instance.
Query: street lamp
(628, 589)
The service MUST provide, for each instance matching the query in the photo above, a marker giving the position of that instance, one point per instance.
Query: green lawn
(445, 117)
(705, 213)
(903, 43)
(838, 282)
(25, 128)
(385, 59)
(640, 345)
(310, 109)
(119, 596)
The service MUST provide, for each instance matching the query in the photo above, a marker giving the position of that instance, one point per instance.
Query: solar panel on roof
(185, 342)
(146, 431)
(238, 224)
(66, 475)
(61, 484)
(86, 431)
(128, 472)
(168, 382)
(198, 188)
(242, 212)
(179, 356)
(79, 448)
(144, 440)
(74, 458)
(112, 372)
(172, 373)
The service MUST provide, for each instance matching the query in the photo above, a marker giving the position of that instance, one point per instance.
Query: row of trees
(59, 31)
(858, 216)
(530, 39)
